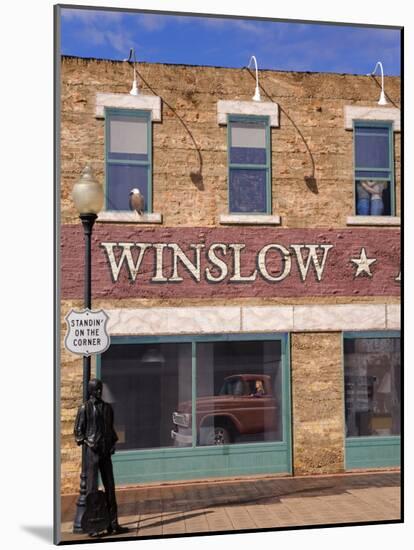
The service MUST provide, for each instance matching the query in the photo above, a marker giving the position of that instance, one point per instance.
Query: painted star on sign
(363, 263)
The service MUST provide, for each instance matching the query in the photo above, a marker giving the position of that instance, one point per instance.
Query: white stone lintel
(115, 216)
(267, 319)
(249, 219)
(394, 221)
(174, 320)
(261, 108)
(393, 316)
(339, 317)
(360, 112)
(248, 319)
(126, 101)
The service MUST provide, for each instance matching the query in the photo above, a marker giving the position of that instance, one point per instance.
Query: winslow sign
(233, 262)
(273, 261)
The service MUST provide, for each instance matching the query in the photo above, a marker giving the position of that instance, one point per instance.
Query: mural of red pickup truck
(245, 410)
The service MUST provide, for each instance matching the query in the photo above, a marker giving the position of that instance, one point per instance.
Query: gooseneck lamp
(256, 96)
(133, 59)
(88, 197)
(382, 99)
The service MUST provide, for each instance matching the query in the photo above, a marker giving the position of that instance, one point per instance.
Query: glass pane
(248, 143)
(128, 138)
(247, 191)
(372, 386)
(144, 383)
(371, 148)
(121, 178)
(239, 392)
(373, 198)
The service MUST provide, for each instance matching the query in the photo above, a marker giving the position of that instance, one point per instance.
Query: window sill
(394, 221)
(113, 216)
(249, 219)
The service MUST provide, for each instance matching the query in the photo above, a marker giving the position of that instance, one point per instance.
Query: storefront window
(144, 383)
(194, 393)
(239, 387)
(372, 386)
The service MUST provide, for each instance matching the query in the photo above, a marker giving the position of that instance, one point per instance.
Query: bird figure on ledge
(136, 201)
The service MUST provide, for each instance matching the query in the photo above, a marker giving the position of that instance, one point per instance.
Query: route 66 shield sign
(86, 332)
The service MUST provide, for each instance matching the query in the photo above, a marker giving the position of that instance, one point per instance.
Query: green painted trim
(267, 166)
(372, 452)
(390, 170)
(142, 114)
(132, 339)
(214, 461)
(373, 334)
(366, 169)
(287, 400)
(193, 394)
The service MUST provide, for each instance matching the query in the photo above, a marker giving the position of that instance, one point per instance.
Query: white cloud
(91, 16)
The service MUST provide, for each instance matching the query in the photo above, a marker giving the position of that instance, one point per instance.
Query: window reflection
(239, 392)
(144, 382)
(372, 386)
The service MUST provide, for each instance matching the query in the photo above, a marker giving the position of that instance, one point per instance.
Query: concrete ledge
(357, 112)
(125, 101)
(258, 108)
(114, 216)
(233, 319)
(394, 221)
(267, 319)
(174, 320)
(393, 316)
(339, 317)
(250, 219)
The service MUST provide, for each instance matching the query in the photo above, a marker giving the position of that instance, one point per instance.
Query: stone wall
(317, 403)
(310, 142)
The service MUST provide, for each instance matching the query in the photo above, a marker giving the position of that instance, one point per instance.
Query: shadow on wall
(196, 175)
(309, 180)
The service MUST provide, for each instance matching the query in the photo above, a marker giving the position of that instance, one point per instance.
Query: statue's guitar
(95, 519)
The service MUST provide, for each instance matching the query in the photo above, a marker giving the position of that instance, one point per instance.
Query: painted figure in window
(369, 197)
(258, 389)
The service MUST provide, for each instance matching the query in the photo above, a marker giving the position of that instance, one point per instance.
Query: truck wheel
(221, 436)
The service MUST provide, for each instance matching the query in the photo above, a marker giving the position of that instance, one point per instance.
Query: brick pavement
(252, 503)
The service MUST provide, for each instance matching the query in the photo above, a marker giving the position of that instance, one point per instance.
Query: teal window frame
(235, 166)
(171, 463)
(391, 178)
(371, 451)
(133, 113)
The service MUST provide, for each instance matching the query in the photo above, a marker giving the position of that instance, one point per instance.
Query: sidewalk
(254, 503)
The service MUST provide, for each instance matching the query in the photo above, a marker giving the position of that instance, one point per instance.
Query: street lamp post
(87, 195)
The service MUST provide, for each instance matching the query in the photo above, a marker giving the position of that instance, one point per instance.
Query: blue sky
(228, 42)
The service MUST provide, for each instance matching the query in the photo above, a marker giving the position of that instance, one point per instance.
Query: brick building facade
(312, 291)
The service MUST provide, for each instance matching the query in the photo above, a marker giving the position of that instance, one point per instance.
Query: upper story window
(249, 176)
(374, 168)
(128, 157)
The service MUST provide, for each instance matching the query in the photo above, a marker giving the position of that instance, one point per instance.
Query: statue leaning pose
(94, 429)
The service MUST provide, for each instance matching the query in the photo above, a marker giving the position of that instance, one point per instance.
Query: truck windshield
(232, 387)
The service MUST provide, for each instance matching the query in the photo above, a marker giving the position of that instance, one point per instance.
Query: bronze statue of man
(94, 428)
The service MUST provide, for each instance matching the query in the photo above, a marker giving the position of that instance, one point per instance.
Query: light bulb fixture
(132, 59)
(382, 100)
(256, 96)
